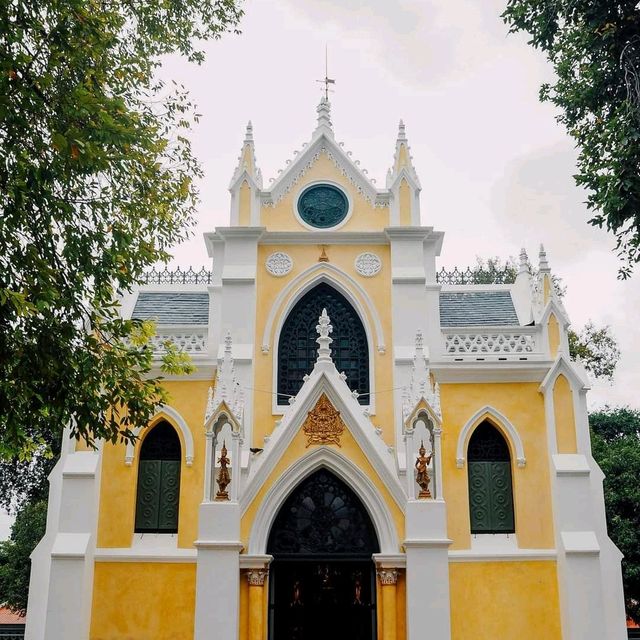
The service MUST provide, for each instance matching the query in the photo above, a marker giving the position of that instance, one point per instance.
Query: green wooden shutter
(148, 501)
(169, 496)
(501, 497)
(490, 497)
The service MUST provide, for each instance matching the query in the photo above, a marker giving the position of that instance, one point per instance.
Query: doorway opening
(322, 578)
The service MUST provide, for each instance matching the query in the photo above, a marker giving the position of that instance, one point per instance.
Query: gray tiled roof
(475, 308)
(172, 307)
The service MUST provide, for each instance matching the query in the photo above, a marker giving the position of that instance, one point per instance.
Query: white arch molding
(326, 270)
(502, 422)
(326, 278)
(178, 422)
(328, 458)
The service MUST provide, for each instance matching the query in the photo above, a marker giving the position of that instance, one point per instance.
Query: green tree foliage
(96, 185)
(15, 565)
(596, 347)
(594, 47)
(615, 441)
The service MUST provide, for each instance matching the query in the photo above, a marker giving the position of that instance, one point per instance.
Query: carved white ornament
(279, 264)
(368, 264)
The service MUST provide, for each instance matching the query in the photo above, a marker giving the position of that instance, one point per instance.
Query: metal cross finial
(327, 80)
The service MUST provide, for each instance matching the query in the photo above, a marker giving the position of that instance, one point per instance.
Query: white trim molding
(501, 422)
(178, 422)
(324, 457)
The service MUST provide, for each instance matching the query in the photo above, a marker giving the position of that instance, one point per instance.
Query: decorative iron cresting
(477, 275)
(177, 276)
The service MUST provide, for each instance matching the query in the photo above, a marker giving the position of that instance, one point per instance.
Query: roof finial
(543, 264)
(324, 328)
(402, 135)
(248, 136)
(524, 261)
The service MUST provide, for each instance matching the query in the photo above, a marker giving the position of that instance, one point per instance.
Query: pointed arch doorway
(322, 578)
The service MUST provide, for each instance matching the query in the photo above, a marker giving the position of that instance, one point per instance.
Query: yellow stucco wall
(244, 205)
(405, 203)
(554, 335)
(143, 601)
(365, 217)
(523, 406)
(564, 416)
(504, 601)
(268, 287)
(119, 481)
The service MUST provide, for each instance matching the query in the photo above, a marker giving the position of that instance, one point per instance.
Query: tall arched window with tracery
(158, 498)
(298, 349)
(490, 487)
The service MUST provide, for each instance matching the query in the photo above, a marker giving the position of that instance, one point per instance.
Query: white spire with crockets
(324, 328)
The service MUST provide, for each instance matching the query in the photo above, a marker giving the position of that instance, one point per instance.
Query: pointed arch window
(158, 496)
(490, 487)
(298, 350)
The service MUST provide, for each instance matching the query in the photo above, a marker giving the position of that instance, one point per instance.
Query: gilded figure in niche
(224, 477)
(422, 475)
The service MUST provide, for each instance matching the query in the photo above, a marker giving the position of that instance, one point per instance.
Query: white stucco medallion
(279, 264)
(368, 264)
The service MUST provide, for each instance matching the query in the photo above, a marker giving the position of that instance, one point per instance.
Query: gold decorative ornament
(422, 475)
(323, 256)
(387, 576)
(256, 577)
(323, 424)
(224, 478)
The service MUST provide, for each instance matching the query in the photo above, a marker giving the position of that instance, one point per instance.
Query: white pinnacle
(324, 116)
(401, 131)
(524, 261)
(542, 258)
(324, 328)
(248, 136)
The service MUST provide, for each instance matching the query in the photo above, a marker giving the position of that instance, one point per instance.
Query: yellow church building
(368, 449)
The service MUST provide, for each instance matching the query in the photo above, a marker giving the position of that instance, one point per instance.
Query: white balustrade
(520, 341)
(191, 340)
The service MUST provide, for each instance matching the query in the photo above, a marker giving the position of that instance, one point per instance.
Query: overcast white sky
(495, 167)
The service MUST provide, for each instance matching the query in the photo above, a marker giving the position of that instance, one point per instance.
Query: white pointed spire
(421, 386)
(324, 328)
(248, 135)
(227, 388)
(402, 160)
(524, 261)
(247, 160)
(402, 134)
(543, 264)
(324, 117)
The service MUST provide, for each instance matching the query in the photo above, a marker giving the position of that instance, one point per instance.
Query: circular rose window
(323, 206)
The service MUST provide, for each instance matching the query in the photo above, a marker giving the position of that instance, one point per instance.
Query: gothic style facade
(366, 449)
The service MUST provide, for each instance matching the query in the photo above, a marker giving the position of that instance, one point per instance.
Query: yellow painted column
(256, 578)
(388, 579)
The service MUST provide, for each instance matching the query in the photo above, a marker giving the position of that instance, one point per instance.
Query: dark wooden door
(322, 600)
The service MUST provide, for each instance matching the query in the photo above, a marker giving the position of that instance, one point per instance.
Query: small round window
(323, 206)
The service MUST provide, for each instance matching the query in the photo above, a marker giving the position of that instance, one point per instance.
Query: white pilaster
(61, 586)
(218, 572)
(426, 547)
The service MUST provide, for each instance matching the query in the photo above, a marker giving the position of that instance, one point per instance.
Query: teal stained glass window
(323, 206)
(158, 498)
(490, 488)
